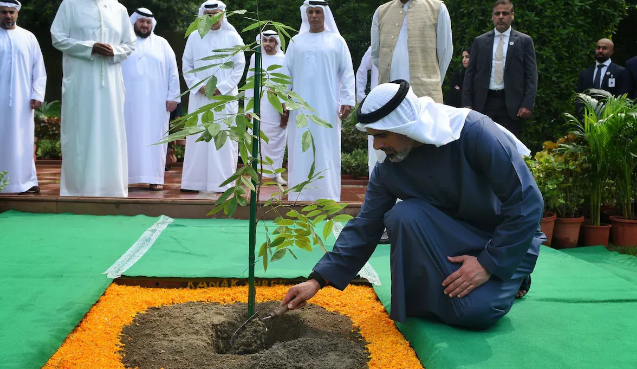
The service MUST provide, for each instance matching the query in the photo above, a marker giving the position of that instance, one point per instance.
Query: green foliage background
(564, 32)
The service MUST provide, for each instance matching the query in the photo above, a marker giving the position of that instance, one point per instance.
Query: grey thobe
(474, 196)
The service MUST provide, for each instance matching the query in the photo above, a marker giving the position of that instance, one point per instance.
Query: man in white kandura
(152, 93)
(320, 65)
(273, 123)
(361, 91)
(205, 167)
(95, 37)
(23, 81)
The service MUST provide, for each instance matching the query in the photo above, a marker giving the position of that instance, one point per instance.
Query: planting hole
(197, 335)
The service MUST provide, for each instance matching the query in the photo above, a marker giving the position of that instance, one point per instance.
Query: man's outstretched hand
(470, 276)
(298, 295)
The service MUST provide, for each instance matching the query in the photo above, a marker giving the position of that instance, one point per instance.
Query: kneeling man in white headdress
(466, 236)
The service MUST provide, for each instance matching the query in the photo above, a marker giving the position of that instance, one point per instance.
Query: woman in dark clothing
(454, 95)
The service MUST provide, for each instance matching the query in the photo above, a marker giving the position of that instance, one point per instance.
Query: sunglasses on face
(497, 14)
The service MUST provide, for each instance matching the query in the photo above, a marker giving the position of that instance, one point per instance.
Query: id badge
(611, 82)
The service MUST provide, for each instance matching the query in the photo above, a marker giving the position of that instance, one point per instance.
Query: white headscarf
(330, 24)
(145, 14)
(11, 4)
(272, 34)
(215, 4)
(421, 119)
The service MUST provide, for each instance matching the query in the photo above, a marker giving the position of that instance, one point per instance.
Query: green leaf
(253, 174)
(281, 75)
(241, 200)
(281, 229)
(211, 86)
(278, 240)
(244, 153)
(327, 229)
(232, 206)
(205, 22)
(215, 57)
(275, 102)
(220, 140)
(291, 253)
(227, 65)
(292, 214)
(342, 218)
(274, 67)
(285, 222)
(278, 255)
(192, 122)
(314, 213)
(208, 117)
(231, 179)
(306, 140)
(192, 28)
(225, 195)
(301, 232)
(263, 249)
(254, 25)
(303, 245)
(308, 208)
(264, 137)
(216, 210)
(242, 122)
(319, 121)
(248, 183)
(214, 129)
(301, 120)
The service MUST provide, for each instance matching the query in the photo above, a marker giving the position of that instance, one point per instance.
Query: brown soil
(197, 335)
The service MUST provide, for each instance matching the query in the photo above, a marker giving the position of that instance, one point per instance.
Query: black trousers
(496, 109)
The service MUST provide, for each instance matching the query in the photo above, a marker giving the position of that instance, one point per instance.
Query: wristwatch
(317, 277)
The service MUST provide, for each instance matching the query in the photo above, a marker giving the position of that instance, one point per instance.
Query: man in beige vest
(411, 40)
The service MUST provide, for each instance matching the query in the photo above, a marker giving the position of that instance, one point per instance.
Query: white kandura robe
(151, 79)
(270, 117)
(321, 68)
(22, 78)
(93, 129)
(205, 168)
(361, 85)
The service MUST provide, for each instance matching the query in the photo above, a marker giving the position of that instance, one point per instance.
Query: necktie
(597, 83)
(498, 77)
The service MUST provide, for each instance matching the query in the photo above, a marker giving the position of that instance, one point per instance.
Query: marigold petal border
(95, 342)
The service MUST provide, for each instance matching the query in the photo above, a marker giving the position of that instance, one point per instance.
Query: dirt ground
(197, 335)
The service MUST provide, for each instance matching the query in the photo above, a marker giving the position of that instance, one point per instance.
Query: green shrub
(4, 180)
(48, 149)
(355, 163)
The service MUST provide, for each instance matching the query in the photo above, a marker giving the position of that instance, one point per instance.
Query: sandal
(156, 187)
(525, 286)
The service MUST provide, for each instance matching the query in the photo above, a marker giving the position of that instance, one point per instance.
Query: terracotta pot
(566, 232)
(546, 226)
(595, 235)
(624, 231)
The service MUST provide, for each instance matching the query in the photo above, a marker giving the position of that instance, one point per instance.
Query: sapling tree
(292, 229)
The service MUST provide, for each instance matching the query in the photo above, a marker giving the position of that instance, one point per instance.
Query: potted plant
(558, 171)
(624, 161)
(548, 187)
(596, 132)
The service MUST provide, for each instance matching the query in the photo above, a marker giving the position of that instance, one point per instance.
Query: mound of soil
(197, 335)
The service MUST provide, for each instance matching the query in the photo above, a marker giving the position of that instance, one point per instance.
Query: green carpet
(51, 274)
(217, 248)
(624, 266)
(577, 315)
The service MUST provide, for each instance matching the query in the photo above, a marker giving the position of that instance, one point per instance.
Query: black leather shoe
(384, 239)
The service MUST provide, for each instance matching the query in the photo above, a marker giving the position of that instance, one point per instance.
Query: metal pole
(253, 194)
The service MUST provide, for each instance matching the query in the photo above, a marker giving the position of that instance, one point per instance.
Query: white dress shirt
(496, 40)
(400, 59)
(606, 64)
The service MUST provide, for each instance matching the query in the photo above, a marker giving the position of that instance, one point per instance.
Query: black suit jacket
(520, 73)
(621, 75)
(631, 67)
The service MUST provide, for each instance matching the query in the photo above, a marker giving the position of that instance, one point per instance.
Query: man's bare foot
(520, 294)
